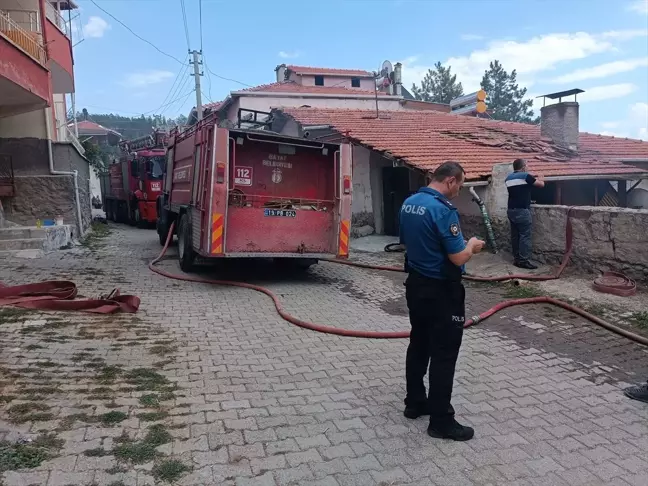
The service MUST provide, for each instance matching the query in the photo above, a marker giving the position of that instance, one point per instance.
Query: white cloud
(638, 6)
(639, 117)
(530, 57)
(146, 78)
(288, 54)
(471, 37)
(607, 92)
(634, 125)
(602, 70)
(95, 27)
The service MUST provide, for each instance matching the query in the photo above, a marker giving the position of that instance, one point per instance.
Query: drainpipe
(75, 173)
(487, 222)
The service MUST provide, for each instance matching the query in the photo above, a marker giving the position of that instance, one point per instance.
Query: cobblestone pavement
(207, 385)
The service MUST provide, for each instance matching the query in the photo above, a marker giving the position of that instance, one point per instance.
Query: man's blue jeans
(521, 224)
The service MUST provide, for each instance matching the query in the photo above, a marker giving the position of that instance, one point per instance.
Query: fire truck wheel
(138, 218)
(186, 253)
(162, 231)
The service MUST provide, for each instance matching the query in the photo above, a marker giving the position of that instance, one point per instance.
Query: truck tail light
(220, 172)
(347, 185)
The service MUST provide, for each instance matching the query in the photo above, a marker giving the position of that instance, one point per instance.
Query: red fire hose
(405, 334)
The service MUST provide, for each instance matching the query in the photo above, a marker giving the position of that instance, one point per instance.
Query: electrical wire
(201, 29)
(208, 76)
(135, 34)
(186, 27)
(228, 79)
(182, 98)
(171, 93)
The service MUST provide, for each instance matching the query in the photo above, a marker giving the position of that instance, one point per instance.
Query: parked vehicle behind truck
(130, 187)
(235, 193)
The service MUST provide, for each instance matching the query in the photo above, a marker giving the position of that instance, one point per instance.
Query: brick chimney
(281, 73)
(559, 122)
(398, 79)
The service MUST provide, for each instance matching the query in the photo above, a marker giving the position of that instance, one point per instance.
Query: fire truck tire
(162, 231)
(186, 254)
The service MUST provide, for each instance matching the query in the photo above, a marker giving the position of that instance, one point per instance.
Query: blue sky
(600, 46)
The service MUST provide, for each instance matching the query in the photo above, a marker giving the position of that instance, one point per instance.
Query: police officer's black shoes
(639, 392)
(414, 412)
(525, 265)
(454, 430)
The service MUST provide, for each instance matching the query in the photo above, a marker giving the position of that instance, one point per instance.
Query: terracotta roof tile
(424, 139)
(87, 127)
(330, 71)
(292, 87)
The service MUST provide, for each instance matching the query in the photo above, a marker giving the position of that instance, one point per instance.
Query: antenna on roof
(383, 78)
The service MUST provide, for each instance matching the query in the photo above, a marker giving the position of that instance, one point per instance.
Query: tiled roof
(87, 127)
(424, 139)
(292, 87)
(331, 72)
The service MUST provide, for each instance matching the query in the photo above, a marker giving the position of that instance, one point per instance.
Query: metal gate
(7, 186)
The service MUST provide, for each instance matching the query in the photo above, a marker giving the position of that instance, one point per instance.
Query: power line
(171, 92)
(186, 27)
(201, 29)
(183, 98)
(136, 35)
(208, 76)
(228, 79)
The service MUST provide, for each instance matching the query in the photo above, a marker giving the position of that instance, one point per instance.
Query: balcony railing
(55, 17)
(75, 141)
(29, 41)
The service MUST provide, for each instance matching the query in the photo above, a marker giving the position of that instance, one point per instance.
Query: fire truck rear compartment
(282, 199)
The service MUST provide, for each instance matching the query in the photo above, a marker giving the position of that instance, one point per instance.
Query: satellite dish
(386, 69)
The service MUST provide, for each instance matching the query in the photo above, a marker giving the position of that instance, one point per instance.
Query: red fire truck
(255, 194)
(130, 187)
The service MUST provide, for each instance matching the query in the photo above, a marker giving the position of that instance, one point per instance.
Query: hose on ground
(403, 334)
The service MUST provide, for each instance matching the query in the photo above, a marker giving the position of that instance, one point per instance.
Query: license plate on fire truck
(286, 213)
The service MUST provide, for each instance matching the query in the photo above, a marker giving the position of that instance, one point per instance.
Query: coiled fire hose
(405, 334)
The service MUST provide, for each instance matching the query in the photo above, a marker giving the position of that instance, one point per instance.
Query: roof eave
(583, 177)
(284, 94)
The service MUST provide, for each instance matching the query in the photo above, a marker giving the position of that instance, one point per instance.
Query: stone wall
(604, 238)
(40, 195)
(67, 158)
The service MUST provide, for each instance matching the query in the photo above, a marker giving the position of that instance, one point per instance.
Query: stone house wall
(41, 195)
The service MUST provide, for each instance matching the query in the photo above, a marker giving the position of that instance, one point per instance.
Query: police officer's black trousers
(437, 315)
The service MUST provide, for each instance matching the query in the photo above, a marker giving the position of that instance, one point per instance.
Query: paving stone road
(208, 386)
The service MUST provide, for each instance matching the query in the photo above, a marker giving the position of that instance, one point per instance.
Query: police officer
(436, 254)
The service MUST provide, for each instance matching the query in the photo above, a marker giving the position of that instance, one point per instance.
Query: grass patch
(78, 357)
(28, 455)
(46, 364)
(112, 418)
(108, 374)
(169, 471)
(524, 291)
(144, 450)
(97, 452)
(6, 398)
(33, 347)
(98, 231)
(152, 416)
(117, 483)
(146, 379)
(640, 319)
(28, 412)
(10, 315)
(163, 349)
(39, 391)
(150, 400)
(116, 470)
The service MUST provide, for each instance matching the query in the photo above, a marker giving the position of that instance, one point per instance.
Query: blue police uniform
(430, 231)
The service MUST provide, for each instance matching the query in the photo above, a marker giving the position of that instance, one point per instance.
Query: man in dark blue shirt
(436, 254)
(519, 185)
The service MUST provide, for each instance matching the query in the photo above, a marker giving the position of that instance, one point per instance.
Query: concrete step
(22, 244)
(22, 232)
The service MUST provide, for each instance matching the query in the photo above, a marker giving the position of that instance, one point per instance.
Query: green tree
(94, 155)
(439, 85)
(505, 98)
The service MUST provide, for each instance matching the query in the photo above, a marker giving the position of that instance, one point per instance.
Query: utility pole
(196, 64)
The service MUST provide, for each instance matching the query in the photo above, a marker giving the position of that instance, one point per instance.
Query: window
(135, 172)
(319, 80)
(355, 83)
